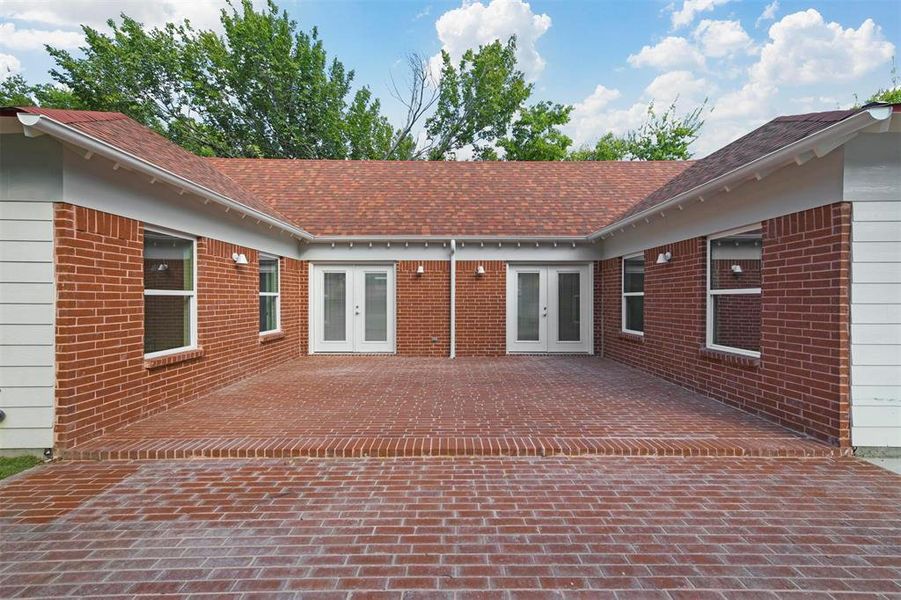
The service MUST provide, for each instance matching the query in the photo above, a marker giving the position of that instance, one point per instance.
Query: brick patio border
(350, 447)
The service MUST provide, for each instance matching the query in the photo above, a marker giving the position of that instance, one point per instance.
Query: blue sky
(750, 60)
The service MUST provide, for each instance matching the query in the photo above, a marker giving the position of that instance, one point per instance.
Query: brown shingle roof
(361, 198)
(130, 136)
(768, 138)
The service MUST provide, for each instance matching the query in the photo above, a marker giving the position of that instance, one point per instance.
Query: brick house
(137, 276)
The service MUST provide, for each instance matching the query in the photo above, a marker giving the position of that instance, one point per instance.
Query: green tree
(260, 89)
(609, 147)
(536, 133)
(476, 101)
(890, 94)
(665, 136)
(16, 91)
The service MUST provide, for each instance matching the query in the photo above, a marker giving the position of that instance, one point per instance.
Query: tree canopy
(262, 88)
(265, 88)
(890, 94)
(665, 136)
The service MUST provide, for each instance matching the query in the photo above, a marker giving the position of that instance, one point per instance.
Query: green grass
(16, 464)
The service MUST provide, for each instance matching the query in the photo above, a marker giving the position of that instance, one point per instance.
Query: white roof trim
(37, 124)
(444, 238)
(817, 144)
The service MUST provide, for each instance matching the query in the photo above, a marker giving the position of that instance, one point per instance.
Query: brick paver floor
(377, 406)
(464, 528)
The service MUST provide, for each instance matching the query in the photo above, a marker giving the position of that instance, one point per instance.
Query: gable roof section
(333, 198)
(772, 136)
(127, 135)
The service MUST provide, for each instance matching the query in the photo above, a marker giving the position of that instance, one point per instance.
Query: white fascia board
(34, 124)
(843, 130)
(488, 239)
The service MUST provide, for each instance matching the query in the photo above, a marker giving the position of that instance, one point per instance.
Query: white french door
(549, 308)
(352, 308)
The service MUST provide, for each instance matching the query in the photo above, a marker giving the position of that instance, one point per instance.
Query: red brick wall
(103, 382)
(423, 308)
(802, 377)
(481, 308)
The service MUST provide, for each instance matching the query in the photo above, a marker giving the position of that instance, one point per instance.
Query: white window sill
(271, 336)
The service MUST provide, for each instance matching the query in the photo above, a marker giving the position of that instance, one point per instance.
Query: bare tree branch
(420, 95)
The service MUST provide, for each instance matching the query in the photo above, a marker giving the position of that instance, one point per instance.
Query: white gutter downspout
(453, 298)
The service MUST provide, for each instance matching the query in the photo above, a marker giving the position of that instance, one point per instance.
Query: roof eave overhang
(816, 145)
(342, 239)
(38, 124)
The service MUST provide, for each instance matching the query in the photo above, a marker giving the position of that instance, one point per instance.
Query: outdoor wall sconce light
(480, 270)
(420, 270)
(239, 259)
(664, 257)
(162, 267)
(736, 270)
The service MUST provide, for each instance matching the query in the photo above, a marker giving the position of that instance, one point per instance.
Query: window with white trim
(633, 294)
(270, 302)
(170, 302)
(734, 261)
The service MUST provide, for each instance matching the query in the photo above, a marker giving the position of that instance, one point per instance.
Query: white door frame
(584, 344)
(354, 339)
(513, 343)
(361, 344)
(548, 341)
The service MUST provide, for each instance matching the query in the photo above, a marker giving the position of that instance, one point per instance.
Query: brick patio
(393, 406)
(464, 528)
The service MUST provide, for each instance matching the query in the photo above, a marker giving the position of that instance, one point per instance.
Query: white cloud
(806, 104)
(804, 49)
(768, 14)
(751, 100)
(685, 15)
(476, 24)
(597, 100)
(671, 52)
(34, 39)
(595, 116)
(9, 65)
(592, 117)
(203, 14)
(682, 85)
(718, 39)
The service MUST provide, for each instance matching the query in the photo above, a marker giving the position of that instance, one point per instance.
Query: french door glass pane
(527, 308)
(376, 329)
(634, 313)
(334, 307)
(568, 312)
(167, 323)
